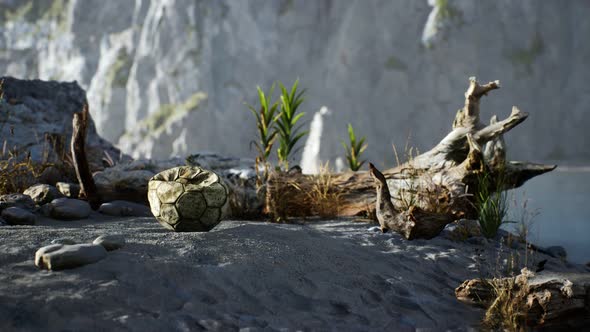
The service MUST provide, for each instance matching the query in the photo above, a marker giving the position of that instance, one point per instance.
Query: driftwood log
(548, 300)
(87, 186)
(432, 189)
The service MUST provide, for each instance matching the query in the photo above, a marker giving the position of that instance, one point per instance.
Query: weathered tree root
(87, 186)
(552, 301)
(438, 184)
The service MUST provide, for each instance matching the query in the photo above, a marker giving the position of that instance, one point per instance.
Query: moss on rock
(158, 121)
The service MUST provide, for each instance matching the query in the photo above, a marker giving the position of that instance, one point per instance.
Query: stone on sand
(125, 209)
(64, 256)
(557, 252)
(68, 209)
(18, 200)
(17, 216)
(42, 193)
(110, 242)
(71, 190)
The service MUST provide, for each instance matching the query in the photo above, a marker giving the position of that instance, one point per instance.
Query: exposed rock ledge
(36, 118)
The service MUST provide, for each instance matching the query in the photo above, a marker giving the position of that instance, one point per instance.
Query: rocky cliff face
(170, 76)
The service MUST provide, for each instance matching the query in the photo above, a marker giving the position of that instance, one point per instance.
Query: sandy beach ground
(251, 276)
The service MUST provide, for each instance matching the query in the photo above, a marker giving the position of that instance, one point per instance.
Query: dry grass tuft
(324, 197)
(320, 197)
(282, 197)
(507, 311)
(18, 174)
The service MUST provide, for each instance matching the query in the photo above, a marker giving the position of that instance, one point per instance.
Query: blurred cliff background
(170, 77)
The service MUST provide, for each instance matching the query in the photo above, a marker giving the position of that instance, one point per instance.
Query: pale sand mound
(319, 276)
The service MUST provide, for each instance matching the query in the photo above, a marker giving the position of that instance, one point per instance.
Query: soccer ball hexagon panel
(188, 199)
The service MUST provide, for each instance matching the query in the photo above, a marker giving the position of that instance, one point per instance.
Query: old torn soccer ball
(188, 199)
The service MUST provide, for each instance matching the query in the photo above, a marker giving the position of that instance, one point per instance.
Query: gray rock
(110, 242)
(51, 175)
(17, 200)
(63, 240)
(129, 180)
(39, 121)
(17, 216)
(42, 193)
(67, 209)
(71, 190)
(556, 251)
(478, 240)
(64, 256)
(125, 209)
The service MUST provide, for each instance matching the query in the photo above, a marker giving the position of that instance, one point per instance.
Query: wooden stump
(87, 186)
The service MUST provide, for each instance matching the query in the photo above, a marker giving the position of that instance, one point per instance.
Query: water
(562, 198)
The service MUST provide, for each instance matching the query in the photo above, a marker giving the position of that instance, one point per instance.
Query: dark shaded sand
(328, 275)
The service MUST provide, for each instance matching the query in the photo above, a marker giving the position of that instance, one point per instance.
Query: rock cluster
(43, 193)
(128, 180)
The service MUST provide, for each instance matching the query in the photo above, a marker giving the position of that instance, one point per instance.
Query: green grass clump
(286, 123)
(354, 150)
(491, 202)
(265, 117)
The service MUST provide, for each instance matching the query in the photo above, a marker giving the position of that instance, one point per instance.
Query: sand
(323, 275)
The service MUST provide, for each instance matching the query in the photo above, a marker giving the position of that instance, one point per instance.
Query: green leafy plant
(491, 202)
(286, 122)
(265, 116)
(354, 150)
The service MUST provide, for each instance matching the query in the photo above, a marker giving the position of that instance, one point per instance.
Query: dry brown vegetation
(321, 197)
(507, 310)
